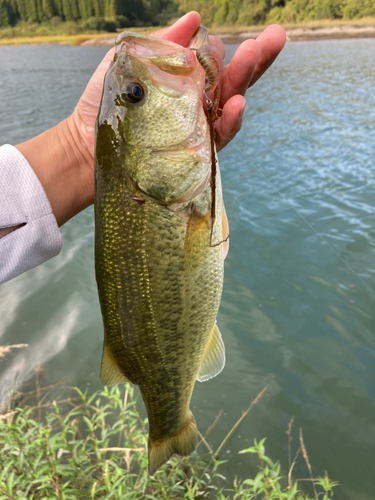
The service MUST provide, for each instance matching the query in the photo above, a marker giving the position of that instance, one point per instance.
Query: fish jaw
(165, 137)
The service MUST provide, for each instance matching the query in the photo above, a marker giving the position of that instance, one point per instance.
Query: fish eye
(134, 93)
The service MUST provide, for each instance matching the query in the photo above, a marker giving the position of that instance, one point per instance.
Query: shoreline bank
(292, 34)
(230, 36)
(304, 33)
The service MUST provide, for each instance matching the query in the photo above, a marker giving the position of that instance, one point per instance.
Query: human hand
(250, 61)
(248, 64)
(63, 156)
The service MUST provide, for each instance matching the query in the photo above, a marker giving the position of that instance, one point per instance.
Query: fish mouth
(168, 56)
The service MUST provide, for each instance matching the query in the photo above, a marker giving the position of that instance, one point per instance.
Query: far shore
(292, 34)
(324, 30)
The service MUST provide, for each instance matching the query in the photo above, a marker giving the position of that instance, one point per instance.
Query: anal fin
(110, 373)
(213, 360)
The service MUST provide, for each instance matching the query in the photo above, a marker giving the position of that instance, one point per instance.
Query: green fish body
(159, 228)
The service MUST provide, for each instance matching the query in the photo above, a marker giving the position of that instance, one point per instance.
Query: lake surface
(298, 307)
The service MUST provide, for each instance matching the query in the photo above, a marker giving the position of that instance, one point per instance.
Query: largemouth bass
(160, 234)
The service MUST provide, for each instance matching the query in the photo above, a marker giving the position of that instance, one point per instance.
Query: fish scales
(141, 252)
(159, 276)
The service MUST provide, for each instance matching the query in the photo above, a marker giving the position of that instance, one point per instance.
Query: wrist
(64, 167)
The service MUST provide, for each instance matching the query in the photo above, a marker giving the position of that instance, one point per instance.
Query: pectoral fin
(225, 232)
(213, 360)
(197, 239)
(110, 373)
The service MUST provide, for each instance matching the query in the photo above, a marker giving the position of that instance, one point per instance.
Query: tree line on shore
(252, 12)
(112, 14)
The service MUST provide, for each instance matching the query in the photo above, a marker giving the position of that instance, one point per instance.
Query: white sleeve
(23, 201)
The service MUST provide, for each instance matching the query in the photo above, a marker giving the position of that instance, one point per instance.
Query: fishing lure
(211, 61)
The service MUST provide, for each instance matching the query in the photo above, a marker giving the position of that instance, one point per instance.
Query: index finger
(216, 42)
(182, 31)
(238, 73)
(271, 42)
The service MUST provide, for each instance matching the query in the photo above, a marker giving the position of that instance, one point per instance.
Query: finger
(215, 41)
(107, 59)
(238, 73)
(182, 30)
(271, 41)
(93, 92)
(230, 122)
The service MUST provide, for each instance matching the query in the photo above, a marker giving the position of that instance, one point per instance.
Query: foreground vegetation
(88, 14)
(95, 447)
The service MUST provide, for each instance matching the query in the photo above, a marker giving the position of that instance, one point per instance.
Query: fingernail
(241, 112)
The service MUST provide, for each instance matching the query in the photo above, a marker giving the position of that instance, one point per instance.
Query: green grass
(69, 32)
(26, 30)
(59, 39)
(95, 447)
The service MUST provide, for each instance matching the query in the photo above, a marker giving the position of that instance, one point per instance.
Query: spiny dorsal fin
(213, 360)
(110, 373)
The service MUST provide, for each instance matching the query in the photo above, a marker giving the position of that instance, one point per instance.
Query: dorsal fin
(213, 360)
(110, 373)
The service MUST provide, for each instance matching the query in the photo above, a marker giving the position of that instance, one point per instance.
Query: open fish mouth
(168, 56)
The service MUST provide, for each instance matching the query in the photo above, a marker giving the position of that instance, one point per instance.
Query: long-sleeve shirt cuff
(23, 201)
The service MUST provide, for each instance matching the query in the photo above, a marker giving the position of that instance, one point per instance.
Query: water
(297, 313)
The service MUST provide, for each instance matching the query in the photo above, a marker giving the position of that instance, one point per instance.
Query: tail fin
(182, 443)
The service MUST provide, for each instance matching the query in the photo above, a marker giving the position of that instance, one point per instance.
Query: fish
(161, 233)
